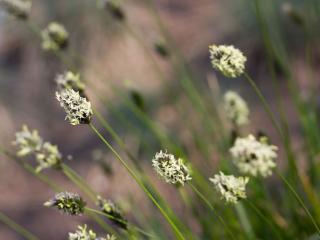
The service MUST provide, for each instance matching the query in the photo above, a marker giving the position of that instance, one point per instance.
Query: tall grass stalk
(178, 233)
(211, 207)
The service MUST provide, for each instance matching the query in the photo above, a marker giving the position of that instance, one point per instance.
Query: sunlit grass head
(236, 108)
(54, 37)
(19, 9)
(229, 187)
(170, 169)
(67, 202)
(77, 108)
(254, 157)
(227, 60)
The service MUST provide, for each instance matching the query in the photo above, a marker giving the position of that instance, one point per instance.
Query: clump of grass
(256, 211)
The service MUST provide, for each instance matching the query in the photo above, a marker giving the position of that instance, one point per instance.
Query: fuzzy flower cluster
(113, 7)
(83, 233)
(69, 203)
(231, 188)
(170, 169)
(228, 60)
(111, 209)
(236, 108)
(70, 80)
(54, 37)
(20, 9)
(254, 157)
(30, 143)
(77, 108)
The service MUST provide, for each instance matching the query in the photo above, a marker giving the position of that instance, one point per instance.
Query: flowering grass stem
(298, 198)
(139, 182)
(264, 218)
(141, 231)
(208, 203)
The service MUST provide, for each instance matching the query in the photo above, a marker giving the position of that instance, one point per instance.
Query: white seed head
(69, 80)
(48, 157)
(77, 108)
(254, 157)
(82, 233)
(170, 169)
(231, 188)
(46, 154)
(228, 60)
(54, 37)
(20, 9)
(236, 108)
(27, 142)
(68, 203)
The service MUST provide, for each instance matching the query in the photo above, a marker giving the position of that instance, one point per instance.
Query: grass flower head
(236, 108)
(231, 188)
(27, 141)
(48, 157)
(113, 7)
(70, 80)
(20, 9)
(170, 169)
(30, 143)
(254, 157)
(227, 60)
(54, 37)
(77, 108)
(69, 203)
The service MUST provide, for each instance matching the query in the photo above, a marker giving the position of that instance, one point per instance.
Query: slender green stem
(18, 228)
(139, 182)
(265, 104)
(120, 221)
(208, 203)
(298, 198)
(77, 180)
(264, 218)
(244, 220)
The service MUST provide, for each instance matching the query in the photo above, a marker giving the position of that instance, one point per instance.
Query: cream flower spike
(236, 108)
(230, 188)
(227, 60)
(20, 9)
(254, 157)
(77, 108)
(170, 169)
(54, 37)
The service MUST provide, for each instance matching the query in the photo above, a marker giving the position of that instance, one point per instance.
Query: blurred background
(128, 60)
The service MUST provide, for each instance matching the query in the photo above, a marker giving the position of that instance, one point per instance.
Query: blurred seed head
(110, 208)
(236, 108)
(70, 80)
(27, 142)
(20, 9)
(113, 7)
(292, 13)
(231, 188)
(160, 46)
(77, 108)
(68, 203)
(227, 60)
(48, 157)
(170, 169)
(46, 154)
(54, 37)
(254, 157)
(83, 233)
